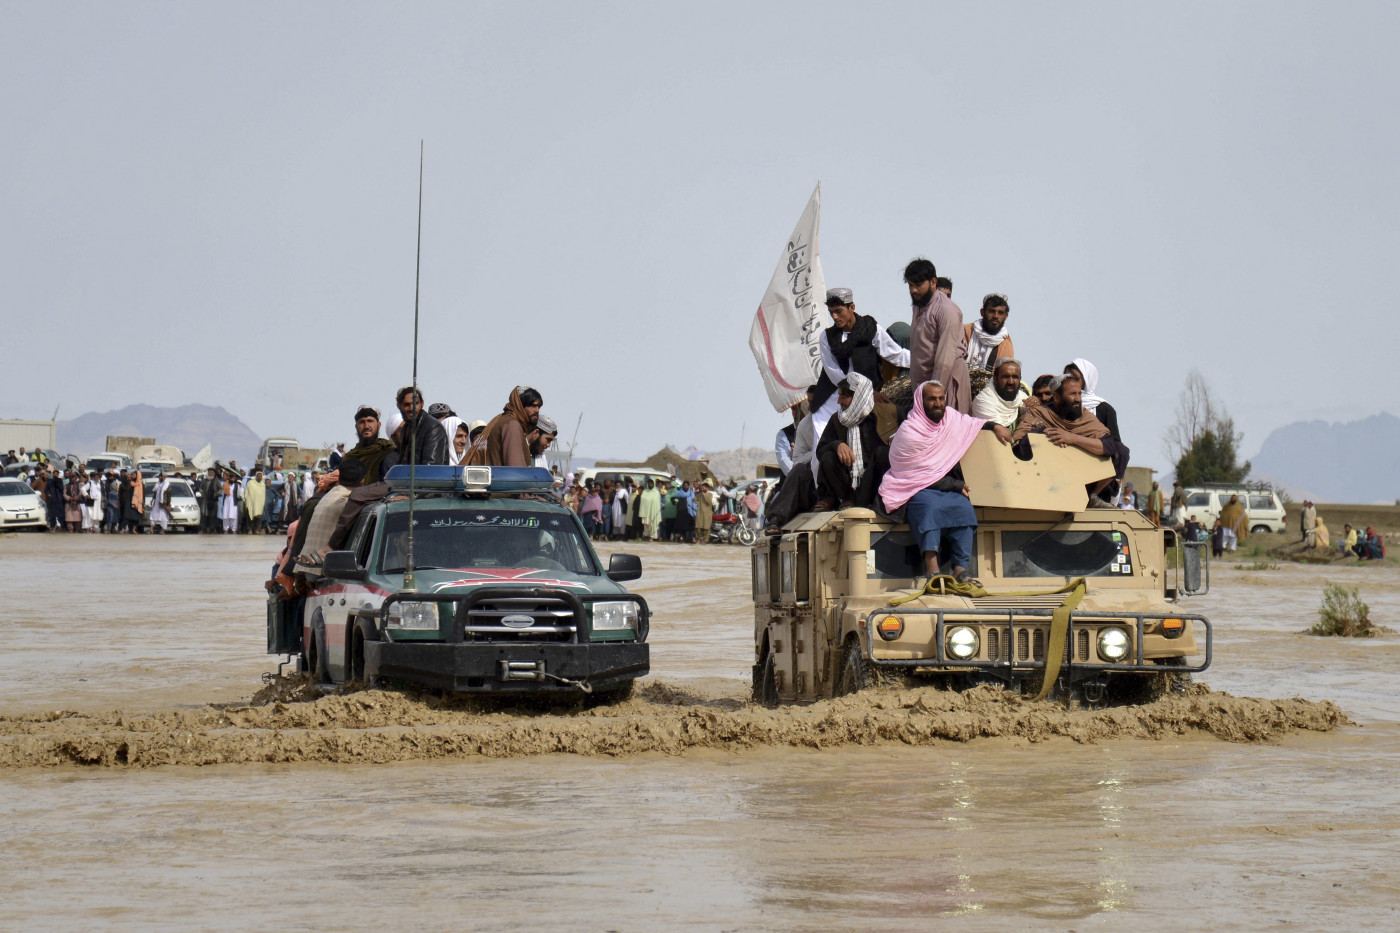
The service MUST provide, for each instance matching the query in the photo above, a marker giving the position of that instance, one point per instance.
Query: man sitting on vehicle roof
(423, 440)
(377, 453)
(1003, 399)
(540, 438)
(925, 478)
(855, 343)
(851, 457)
(1065, 423)
(317, 542)
(505, 440)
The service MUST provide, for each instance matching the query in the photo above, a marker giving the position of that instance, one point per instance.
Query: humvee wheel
(766, 690)
(855, 669)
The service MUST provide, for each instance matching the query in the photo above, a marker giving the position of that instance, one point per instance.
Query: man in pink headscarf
(925, 477)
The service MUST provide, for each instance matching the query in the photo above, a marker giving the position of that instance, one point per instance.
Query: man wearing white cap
(542, 437)
(854, 343)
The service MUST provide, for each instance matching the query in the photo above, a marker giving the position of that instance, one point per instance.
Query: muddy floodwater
(143, 790)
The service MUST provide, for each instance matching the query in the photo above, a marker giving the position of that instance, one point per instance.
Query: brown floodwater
(685, 806)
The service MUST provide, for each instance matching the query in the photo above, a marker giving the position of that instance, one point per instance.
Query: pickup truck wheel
(615, 695)
(855, 669)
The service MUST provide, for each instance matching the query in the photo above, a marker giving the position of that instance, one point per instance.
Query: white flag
(204, 459)
(786, 333)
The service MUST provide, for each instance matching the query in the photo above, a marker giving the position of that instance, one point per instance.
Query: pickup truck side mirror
(621, 567)
(341, 565)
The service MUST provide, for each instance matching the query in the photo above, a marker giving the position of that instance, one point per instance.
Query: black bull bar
(1010, 619)
(511, 665)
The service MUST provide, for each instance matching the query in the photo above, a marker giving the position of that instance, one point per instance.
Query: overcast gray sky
(216, 202)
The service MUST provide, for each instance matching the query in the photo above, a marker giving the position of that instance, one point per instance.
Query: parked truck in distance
(294, 456)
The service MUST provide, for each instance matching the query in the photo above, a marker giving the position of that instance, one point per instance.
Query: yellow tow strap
(1074, 590)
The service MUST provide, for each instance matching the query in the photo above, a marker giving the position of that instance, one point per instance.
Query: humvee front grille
(520, 618)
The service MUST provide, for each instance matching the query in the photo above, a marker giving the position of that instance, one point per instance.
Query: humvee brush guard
(1075, 602)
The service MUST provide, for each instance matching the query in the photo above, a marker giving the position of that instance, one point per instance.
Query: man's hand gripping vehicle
(508, 595)
(1083, 597)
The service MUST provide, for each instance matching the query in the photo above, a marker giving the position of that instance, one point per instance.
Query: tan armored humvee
(1104, 580)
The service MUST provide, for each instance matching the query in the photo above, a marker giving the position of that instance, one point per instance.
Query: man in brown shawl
(1065, 423)
(1236, 523)
(937, 347)
(505, 440)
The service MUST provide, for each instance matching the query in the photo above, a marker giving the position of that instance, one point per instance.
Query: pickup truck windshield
(465, 539)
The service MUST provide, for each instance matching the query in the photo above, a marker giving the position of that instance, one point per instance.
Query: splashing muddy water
(685, 805)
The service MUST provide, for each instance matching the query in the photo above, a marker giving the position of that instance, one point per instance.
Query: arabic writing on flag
(786, 333)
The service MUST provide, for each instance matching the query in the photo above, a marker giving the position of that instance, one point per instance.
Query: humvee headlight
(414, 615)
(962, 642)
(1113, 644)
(616, 616)
(1172, 628)
(890, 627)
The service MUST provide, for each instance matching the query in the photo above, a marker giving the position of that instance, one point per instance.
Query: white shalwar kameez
(92, 514)
(159, 515)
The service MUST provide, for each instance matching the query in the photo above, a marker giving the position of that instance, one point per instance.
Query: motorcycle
(731, 529)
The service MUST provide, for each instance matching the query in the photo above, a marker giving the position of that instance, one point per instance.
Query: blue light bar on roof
(470, 478)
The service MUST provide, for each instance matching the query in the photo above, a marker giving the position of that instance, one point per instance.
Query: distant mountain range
(1353, 461)
(188, 427)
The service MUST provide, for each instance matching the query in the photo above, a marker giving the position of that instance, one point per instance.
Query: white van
(640, 475)
(1262, 507)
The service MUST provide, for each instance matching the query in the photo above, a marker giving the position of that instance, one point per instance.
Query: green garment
(372, 454)
(668, 508)
(651, 511)
(254, 498)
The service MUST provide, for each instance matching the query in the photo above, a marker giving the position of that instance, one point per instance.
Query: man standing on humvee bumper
(926, 477)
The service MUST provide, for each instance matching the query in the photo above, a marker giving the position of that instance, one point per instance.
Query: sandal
(966, 578)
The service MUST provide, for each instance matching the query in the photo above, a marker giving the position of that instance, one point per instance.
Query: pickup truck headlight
(615, 616)
(414, 615)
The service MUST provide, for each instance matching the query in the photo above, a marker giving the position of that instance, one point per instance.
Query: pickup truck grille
(518, 618)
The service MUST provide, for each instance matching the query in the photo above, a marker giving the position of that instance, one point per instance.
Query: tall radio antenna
(415, 400)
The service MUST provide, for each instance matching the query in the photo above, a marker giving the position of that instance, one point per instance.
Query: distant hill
(740, 463)
(1339, 462)
(188, 427)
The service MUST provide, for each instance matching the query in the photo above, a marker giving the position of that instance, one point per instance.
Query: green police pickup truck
(508, 595)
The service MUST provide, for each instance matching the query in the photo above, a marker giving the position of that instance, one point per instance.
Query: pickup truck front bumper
(485, 667)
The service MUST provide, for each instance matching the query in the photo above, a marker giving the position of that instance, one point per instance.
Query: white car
(184, 507)
(1262, 507)
(20, 506)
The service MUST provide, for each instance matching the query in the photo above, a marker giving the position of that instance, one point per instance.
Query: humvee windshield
(1063, 553)
(462, 539)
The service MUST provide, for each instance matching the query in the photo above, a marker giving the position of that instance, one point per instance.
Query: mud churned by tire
(283, 724)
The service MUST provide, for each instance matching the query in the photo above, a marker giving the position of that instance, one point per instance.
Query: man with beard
(377, 453)
(1065, 423)
(988, 340)
(505, 440)
(423, 440)
(1002, 401)
(925, 479)
(541, 437)
(854, 343)
(1043, 392)
(851, 458)
(937, 349)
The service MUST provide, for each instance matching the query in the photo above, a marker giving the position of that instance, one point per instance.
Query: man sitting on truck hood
(377, 453)
(926, 477)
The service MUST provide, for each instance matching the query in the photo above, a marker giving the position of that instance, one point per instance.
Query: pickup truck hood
(464, 580)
